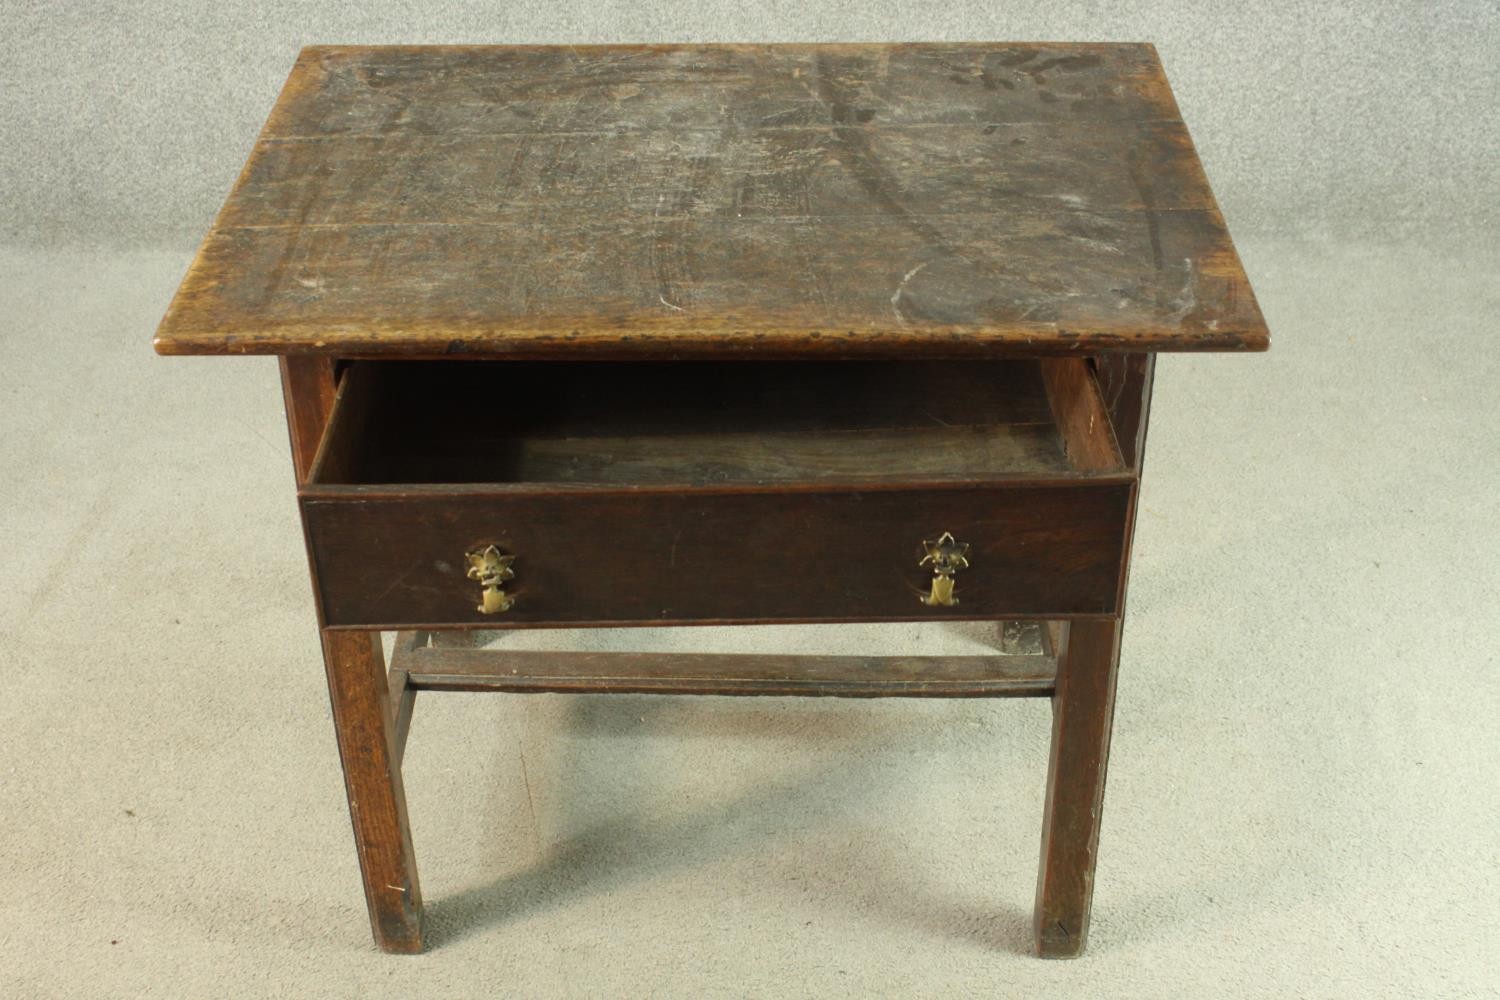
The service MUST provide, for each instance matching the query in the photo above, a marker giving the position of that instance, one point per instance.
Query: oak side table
(719, 334)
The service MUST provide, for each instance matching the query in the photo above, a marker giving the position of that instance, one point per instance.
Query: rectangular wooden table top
(911, 200)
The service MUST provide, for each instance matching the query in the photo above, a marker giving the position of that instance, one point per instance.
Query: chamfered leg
(1082, 713)
(365, 725)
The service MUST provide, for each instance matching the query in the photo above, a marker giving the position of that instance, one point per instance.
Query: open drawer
(492, 494)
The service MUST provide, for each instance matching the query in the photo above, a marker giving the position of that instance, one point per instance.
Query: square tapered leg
(1082, 713)
(365, 724)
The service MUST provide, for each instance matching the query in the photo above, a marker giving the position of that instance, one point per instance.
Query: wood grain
(711, 201)
(659, 556)
(469, 90)
(307, 393)
(403, 695)
(1082, 717)
(688, 424)
(362, 717)
(1080, 413)
(531, 671)
(1125, 386)
(1083, 701)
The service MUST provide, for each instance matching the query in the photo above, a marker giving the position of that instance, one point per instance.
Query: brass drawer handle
(491, 568)
(947, 557)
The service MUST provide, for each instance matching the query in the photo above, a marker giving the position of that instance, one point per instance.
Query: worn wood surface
(363, 720)
(1083, 700)
(531, 671)
(1082, 419)
(307, 393)
(1083, 706)
(657, 556)
(403, 695)
(690, 424)
(1125, 386)
(734, 200)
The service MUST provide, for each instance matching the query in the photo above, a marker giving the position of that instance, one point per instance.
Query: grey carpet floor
(1303, 797)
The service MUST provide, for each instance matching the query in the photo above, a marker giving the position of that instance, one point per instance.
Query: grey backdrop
(125, 122)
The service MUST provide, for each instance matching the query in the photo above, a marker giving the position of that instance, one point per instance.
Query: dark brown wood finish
(705, 556)
(1088, 437)
(363, 719)
(1125, 386)
(690, 424)
(717, 471)
(370, 719)
(403, 697)
(307, 392)
(737, 200)
(441, 668)
(1083, 706)
(868, 293)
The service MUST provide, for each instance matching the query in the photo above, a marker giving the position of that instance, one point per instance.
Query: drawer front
(656, 557)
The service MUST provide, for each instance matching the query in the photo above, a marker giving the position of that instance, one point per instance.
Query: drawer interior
(689, 423)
